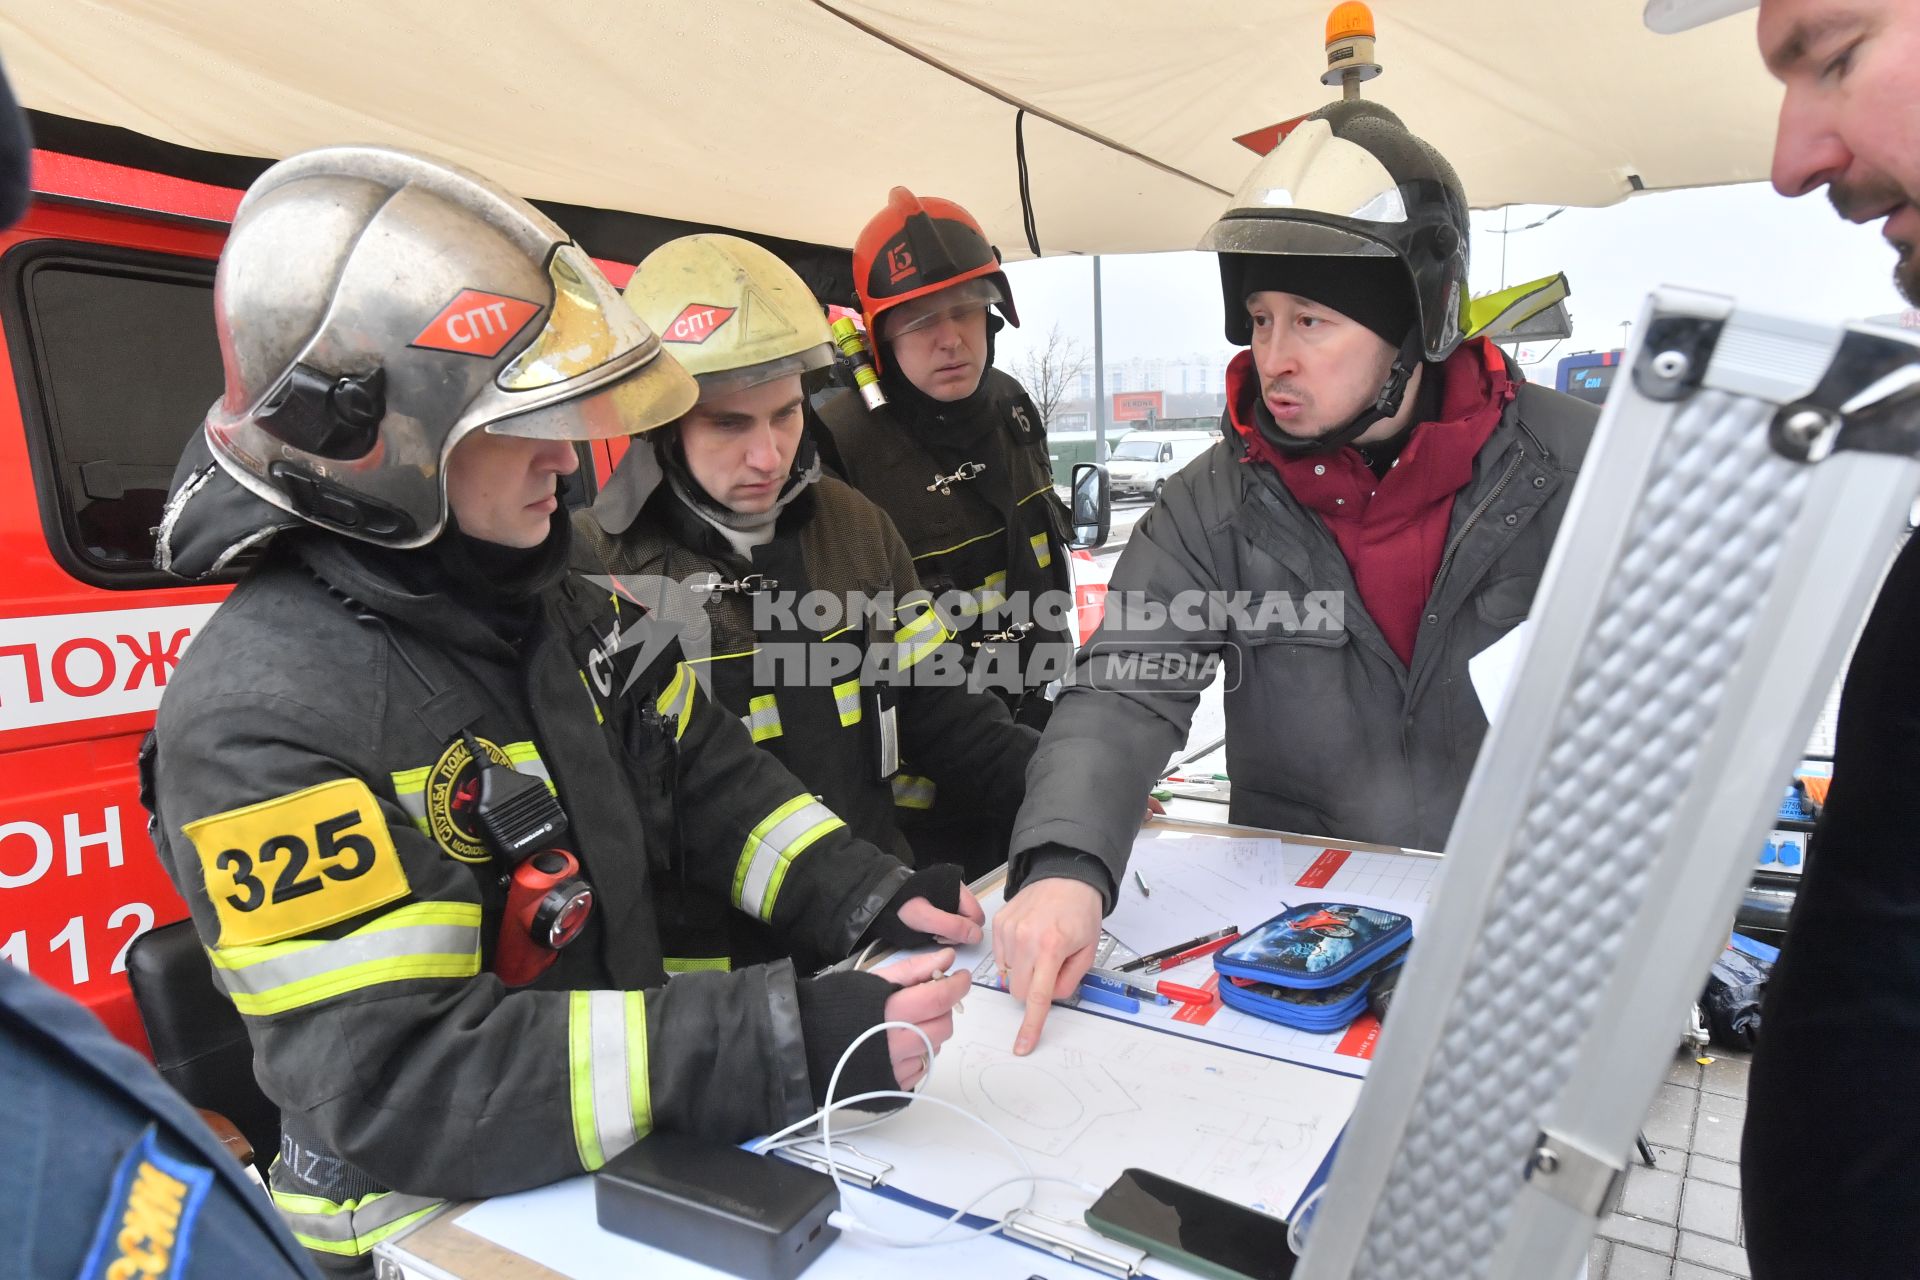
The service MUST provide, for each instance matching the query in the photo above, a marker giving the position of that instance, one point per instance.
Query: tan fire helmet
(730, 312)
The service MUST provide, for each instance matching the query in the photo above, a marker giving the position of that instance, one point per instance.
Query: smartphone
(1201, 1232)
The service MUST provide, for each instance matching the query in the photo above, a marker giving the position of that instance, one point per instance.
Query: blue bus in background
(1588, 375)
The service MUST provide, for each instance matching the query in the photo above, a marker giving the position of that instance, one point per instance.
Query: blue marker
(1093, 991)
(1123, 984)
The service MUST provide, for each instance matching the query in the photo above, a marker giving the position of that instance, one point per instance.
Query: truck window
(116, 361)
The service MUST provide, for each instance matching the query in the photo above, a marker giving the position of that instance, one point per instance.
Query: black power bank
(755, 1216)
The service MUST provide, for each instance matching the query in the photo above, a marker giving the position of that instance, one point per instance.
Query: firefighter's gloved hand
(931, 905)
(834, 1010)
(838, 1007)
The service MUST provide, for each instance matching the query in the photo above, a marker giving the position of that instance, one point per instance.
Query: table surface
(454, 1253)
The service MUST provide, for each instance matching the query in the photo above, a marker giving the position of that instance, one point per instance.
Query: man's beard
(1877, 192)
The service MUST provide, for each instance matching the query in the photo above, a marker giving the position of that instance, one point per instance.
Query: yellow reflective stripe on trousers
(771, 847)
(846, 700)
(697, 964)
(676, 700)
(607, 1072)
(1042, 552)
(419, 940)
(350, 1230)
(912, 792)
(918, 638)
(763, 717)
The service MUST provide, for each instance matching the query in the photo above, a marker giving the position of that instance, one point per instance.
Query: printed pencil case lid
(1316, 944)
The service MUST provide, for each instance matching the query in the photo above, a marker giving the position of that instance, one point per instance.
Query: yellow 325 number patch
(293, 864)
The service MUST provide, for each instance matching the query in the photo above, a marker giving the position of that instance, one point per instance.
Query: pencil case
(1315, 945)
(1317, 1009)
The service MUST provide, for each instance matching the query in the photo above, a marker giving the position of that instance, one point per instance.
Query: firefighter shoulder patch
(1024, 424)
(453, 789)
(296, 863)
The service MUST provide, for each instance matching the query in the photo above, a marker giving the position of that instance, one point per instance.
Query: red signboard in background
(1135, 406)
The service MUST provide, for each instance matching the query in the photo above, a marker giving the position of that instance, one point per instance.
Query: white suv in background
(1140, 465)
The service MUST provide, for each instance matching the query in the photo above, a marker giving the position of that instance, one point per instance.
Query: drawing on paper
(1097, 1097)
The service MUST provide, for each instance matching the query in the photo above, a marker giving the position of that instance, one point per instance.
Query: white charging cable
(1303, 1221)
(844, 1218)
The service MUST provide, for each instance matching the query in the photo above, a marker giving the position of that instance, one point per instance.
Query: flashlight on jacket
(854, 347)
(548, 901)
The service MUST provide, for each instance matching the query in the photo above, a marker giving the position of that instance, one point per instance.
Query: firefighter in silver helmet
(406, 668)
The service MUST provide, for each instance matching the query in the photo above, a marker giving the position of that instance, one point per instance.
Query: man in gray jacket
(1379, 512)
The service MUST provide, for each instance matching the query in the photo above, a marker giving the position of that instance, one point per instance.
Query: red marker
(1185, 995)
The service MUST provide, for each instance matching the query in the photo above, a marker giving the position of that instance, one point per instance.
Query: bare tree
(1050, 373)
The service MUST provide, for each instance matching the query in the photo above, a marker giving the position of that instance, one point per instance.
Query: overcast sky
(1792, 256)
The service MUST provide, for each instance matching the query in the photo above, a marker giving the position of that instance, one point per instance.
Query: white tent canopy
(793, 117)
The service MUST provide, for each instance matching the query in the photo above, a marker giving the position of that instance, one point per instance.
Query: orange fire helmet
(915, 247)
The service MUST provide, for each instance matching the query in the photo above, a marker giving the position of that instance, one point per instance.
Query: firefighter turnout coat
(311, 790)
(970, 488)
(795, 673)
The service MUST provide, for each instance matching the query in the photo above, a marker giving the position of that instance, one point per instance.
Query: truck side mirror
(1092, 506)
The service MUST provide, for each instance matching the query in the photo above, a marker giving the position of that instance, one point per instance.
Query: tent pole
(1099, 372)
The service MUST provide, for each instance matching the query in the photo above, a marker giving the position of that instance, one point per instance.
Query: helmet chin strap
(1386, 403)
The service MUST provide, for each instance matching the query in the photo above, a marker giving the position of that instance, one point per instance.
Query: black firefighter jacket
(1328, 733)
(308, 789)
(839, 703)
(970, 489)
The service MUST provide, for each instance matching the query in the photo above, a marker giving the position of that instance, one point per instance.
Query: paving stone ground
(1681, 1219)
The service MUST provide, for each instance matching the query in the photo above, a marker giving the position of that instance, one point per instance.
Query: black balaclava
(1373, 292)
(501, 585)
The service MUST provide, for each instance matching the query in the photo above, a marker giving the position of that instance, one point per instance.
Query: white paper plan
(1100, 1095)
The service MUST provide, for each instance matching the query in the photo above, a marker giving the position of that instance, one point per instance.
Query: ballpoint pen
(1155, 959)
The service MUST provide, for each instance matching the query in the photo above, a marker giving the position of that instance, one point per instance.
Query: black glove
(833, 1011)
(938, 884)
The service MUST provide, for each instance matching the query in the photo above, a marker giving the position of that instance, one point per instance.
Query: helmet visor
(1237, 233)
(588, 327)
(959, 300)
(724, 382)
(653, 395)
